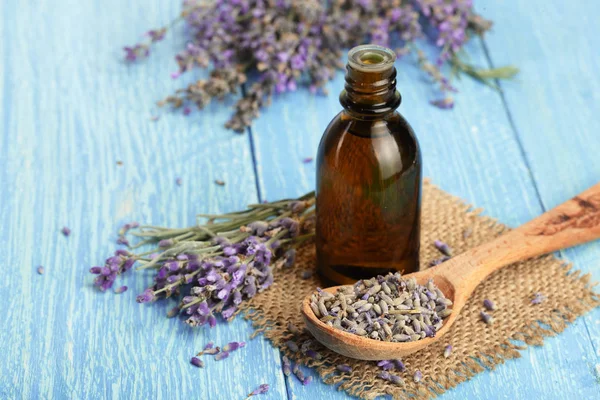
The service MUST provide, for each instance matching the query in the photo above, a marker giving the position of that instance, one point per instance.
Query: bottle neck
(370, 94)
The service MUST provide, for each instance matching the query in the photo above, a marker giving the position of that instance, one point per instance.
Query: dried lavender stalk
(386, 308)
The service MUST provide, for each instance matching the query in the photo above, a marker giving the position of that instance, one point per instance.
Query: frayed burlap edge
(476, 346)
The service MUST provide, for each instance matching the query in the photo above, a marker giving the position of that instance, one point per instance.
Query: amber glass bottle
(368, 177)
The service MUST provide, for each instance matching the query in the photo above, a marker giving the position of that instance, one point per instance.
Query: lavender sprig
(287, 44)
(262, 389)
(219, 263)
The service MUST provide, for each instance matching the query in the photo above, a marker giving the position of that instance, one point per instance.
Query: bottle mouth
(371, 58)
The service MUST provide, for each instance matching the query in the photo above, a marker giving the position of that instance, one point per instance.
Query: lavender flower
(65, 231)
(262, 389)
(196, 362)
(489, 305)
(221, 356)
(300, 42)
(215, 266)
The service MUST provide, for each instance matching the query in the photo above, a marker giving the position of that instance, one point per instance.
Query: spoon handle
(574, 222)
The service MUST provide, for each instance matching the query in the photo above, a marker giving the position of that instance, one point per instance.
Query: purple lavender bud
(221, 356)
(400, 365)
(538, 298)
(439, 261)
(40, 270)
(178, 181)
(128, 264)
(123, 240)
(307, 160)
(122, 252)
(344, 368)
(229, 251)
(445, 103)
(65, 231)
(290, 258)
(196, 362)
(312, 354)
(388, 366)
(292, 346)
(383, 362)
(395, 379)
(262, 389)
(418, 376)
(165, 243)
(443, 248)
(488, 319)
(212, 321)
(384, 375)
(489, 305)
(307, 380)
(447, 351)
(96, 270)
(208, 345)
(233, 346)
(121, 289)
(286, 366)
(146, 296)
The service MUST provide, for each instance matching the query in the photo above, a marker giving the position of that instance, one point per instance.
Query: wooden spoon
(574, 222)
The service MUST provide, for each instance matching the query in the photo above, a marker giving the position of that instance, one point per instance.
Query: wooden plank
(69, 110)
(471, 152)
(559, 86)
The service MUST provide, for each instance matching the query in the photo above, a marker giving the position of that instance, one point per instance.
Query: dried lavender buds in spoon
(386, 308)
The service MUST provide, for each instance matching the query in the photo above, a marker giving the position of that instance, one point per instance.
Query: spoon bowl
(574, 222)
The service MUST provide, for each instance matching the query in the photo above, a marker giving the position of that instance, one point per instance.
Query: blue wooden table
(70, 110)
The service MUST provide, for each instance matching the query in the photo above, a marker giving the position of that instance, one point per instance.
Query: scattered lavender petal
(307, 160)
(221, 356)
(292, 345)
(418, 376)
(400, 365)
(447, 351)
(233, 346)
(65, 231)
(488, 319)
(262, 389)
(123, 240)
(489, 305)
(344, 368)
(40, 270)
(220, 182)
(121, 289)
(196, 362)
(178, 181)
(307, 380)
(443, 248)
(286, 366)
(445, 103)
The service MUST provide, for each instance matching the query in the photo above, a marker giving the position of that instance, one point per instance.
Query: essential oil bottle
(368, 177)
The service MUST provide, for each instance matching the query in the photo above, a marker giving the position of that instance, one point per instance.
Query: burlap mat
(477, 346)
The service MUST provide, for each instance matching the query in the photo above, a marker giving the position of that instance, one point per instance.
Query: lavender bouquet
(280, 45)
(213, 266)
